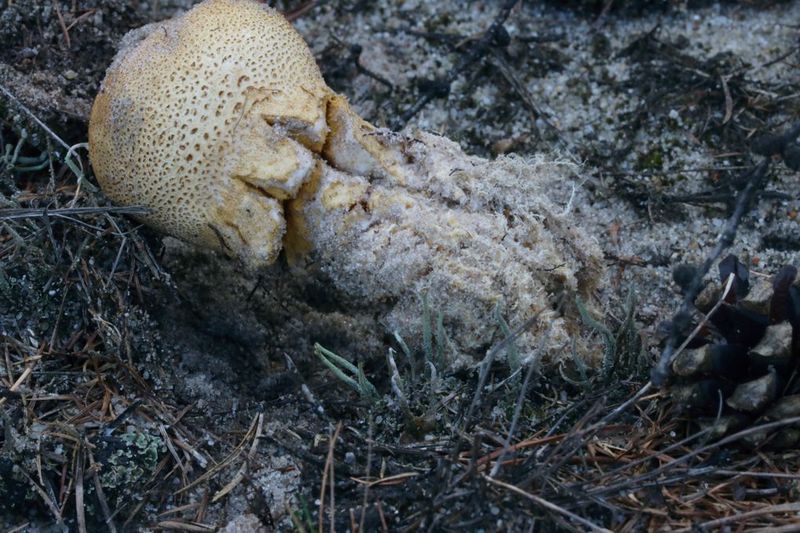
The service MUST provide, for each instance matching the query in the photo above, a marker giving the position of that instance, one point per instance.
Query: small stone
(504, 145)
(28, 53)
(244, 523)
(70, 74)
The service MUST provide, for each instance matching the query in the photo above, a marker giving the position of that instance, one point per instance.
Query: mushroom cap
(211, 120)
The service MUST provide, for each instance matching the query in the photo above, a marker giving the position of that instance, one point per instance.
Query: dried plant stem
(367, 473)
(755, 180)
(80, 509)
(16, 214)
(740, 517)
(33, 117)
(545, 504)
(328, 473)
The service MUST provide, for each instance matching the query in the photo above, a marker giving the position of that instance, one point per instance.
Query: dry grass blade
(521, 395)
(546, 504)
(19, 213)
(227, 461)
(300, 10)
(368, 472)
(67, 40)
(746, 473)
(51, 505)
(242, 469)
(101, 497)
(788, 528)
(728, 100)
(181, 509)
(32, 116)
(20, 380)
(741, 518)
(639, 481)
(80, 508)
(179, 525)
(728, 285)
(328, 474)
(171, 447)
(396, 479)
(191, 450)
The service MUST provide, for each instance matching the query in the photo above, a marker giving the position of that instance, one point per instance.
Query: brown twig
(541, 502)
(300, 11)
(61, 23)
(23, 213)
(367, 473)
(740, 518)
(81, 18)
(328, 473)
(80, 508)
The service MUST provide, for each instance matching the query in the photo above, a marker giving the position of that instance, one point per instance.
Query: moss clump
(651, 160)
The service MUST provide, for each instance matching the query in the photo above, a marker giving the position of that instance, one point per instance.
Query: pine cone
(742, 367)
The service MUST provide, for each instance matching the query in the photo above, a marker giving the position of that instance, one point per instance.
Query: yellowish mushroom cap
(212, 120)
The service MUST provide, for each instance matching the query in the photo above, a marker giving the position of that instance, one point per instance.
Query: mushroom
(220, 122)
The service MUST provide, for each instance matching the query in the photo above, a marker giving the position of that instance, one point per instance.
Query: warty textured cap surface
(234, 87)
